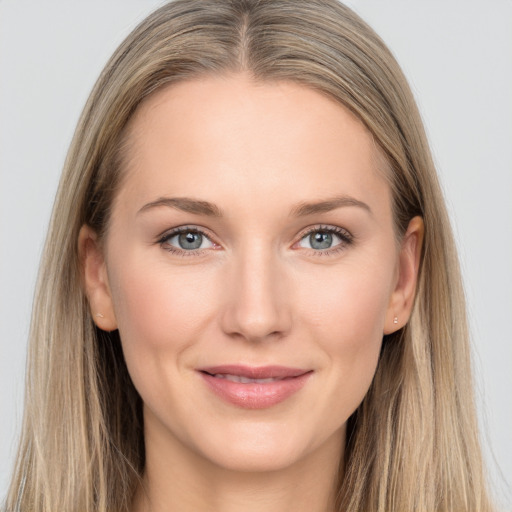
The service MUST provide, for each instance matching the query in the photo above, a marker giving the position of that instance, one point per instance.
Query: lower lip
(255, 395)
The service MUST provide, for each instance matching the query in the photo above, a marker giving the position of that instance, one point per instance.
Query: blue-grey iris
(190, 241)
(320, 240)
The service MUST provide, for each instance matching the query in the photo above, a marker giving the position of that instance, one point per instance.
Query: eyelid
(325, 227)
(345, 236)
(170, 233)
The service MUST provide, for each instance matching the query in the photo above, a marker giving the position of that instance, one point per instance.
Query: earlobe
(402, 298)
(95, 279)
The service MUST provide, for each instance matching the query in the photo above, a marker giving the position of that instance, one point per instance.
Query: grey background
(458, 58)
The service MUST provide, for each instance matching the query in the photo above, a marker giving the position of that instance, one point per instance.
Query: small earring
(99, 315)
(395, 320)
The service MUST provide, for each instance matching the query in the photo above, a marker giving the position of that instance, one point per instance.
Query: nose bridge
(257, 306)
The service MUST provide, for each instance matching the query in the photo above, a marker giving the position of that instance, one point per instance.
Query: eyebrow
(199, 207)
(303, 209)
(185, 204)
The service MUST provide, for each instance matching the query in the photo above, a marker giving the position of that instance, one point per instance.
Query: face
(252, 268)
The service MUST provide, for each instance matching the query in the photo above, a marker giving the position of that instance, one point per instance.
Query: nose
(256, 304)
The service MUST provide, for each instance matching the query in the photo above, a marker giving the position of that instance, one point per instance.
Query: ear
(95, 279)
(402, 298)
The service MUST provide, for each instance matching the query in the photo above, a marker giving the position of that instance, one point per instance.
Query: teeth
(245, 380)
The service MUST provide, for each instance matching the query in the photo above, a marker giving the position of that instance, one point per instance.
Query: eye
(186, 239)
(325, 238)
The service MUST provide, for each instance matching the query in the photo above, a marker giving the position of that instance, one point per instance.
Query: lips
(245, 380)
(254, 387)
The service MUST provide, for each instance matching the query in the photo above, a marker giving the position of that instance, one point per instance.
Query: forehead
(230, 138)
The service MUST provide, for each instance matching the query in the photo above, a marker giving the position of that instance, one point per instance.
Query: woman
(249, 295)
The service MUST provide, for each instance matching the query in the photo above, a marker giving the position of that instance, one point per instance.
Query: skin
(255, 293)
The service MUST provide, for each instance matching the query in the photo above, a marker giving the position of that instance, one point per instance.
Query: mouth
(254, 387)
(246, 380)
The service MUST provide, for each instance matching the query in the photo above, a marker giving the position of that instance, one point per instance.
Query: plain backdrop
(458, 58)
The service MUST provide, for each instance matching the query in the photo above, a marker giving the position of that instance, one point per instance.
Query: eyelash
(177, 231)
(346, 238)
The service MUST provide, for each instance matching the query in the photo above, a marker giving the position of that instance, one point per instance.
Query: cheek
(159, 309)
(347, 318)
(350, 302)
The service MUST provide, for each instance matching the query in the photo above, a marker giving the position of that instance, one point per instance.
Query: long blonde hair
(413, 442)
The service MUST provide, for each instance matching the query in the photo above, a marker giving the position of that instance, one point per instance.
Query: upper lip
(255, 372)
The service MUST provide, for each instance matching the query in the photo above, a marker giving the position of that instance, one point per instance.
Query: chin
(255, 459)
(266, 448)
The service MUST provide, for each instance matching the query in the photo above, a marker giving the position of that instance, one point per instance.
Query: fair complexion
(286, 255)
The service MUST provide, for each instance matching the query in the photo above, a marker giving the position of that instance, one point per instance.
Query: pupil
(321, 240)
(190, 240)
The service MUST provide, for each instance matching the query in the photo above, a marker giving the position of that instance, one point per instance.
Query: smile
(246, 380)
(254, 387)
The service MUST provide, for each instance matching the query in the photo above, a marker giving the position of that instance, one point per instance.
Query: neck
(177, 479)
